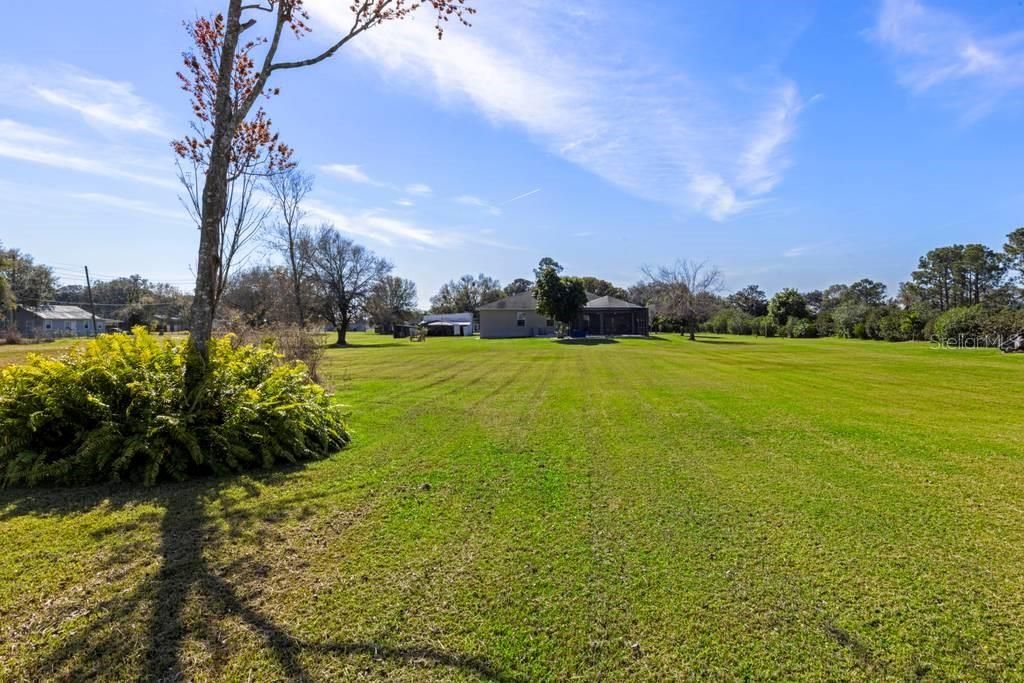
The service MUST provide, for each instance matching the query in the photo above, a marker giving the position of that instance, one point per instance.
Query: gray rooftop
(610, 302)
(527, 302)
(516, 302)
(59, 312)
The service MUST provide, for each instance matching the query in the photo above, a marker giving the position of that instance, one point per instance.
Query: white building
(449, 324)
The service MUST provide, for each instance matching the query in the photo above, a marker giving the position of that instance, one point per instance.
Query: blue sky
(792, 144)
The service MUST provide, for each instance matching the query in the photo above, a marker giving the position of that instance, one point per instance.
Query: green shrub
(958, 325)
(799, 328)
(730, 321)
(764, 326)
(115, 409)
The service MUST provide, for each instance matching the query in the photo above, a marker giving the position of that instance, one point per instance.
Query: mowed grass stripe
(639, 510)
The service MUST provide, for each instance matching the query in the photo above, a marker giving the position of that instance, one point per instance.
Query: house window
(47, 325)
(520, 320)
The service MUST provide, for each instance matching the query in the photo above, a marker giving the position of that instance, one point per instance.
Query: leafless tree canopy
(685, 290)
(344, 273)
(288, 236)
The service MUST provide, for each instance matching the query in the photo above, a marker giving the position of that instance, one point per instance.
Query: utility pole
(92, 306)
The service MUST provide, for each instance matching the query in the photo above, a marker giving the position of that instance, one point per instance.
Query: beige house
(514, 316)
(517, 316)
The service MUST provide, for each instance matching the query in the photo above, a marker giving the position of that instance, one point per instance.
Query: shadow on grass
(588, 341)
(705, 339)
(371, 345)
(163, 600)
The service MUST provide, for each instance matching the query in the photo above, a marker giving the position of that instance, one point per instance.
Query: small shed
(448, 324)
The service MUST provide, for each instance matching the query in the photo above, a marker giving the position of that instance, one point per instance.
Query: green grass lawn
(534, 510)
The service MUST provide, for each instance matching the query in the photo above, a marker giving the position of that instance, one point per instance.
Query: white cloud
(405, 202)
(795, 252)
(127, 204)
(471, 200)
(762, 164)
(102, 103)
(350, 172)
(378, 226)
(27, 143)
(647, 128)
(419, 189)
(939, 51)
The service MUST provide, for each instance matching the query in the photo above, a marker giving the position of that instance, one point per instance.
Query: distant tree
(1014, 251)
(596, 285)
(815, 299)
(28, 283)
(6, 293)
(983, 273)
(546, 263)
(642, 293)
(392, 300)
(959, 275)
(833, 296)
(225, 75)
(288, 236)
(517, 286)
(344, 274)
(787, 304)
(867, 292)
(467, 294)
(260, 296)
(751, 300)
(686, 292)
(559, 298)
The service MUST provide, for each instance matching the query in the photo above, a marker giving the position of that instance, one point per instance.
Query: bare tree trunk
(296, 283)
(341, 334)
(693, 330)
(213, 208)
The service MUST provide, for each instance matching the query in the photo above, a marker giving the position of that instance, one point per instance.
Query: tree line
(964, 293)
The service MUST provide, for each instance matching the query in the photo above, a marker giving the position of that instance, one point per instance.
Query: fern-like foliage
(116, 409)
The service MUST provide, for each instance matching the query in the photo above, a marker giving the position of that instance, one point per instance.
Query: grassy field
(533, 510)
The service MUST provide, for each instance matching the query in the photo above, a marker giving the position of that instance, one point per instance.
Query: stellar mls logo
(985, 341)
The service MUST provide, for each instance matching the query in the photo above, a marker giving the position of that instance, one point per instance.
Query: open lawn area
(640, 509)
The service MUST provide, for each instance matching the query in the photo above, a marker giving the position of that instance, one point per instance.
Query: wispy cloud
(103, 103)
(379, 226)
(796, 252)
(472, 200)
(405, 202)
(935, 50)
(647, 127)
(419, 189)
(28, 143)
(128, 204)
(351, 172)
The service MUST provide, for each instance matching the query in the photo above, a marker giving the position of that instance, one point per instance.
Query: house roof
(522, 302)
(59, 312)
(448, 317)
(527, 302)
(517, 302)
(610, 302)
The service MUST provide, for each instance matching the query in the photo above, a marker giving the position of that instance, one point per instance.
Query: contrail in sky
(515, 199)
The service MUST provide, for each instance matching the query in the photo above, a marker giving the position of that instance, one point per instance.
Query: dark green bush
(958, 325)
(799, 328)
(116, 410)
